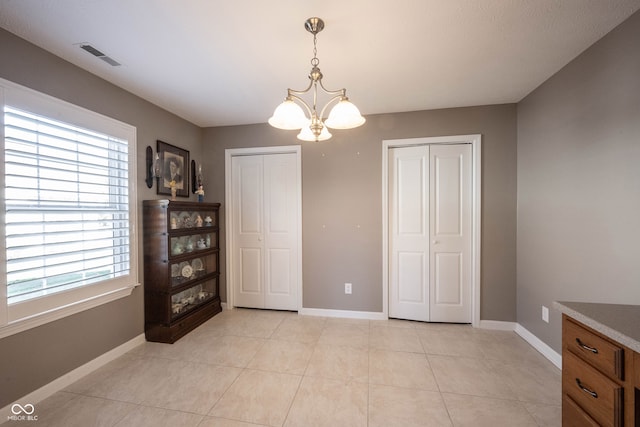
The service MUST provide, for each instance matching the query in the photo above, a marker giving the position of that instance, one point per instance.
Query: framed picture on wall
(175, 169)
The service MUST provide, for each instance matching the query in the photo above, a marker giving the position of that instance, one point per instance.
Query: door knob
(259, 238)
(435, 242)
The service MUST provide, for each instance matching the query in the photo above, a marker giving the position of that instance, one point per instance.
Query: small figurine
(199, 221)
(174, 190)
(176, 249)
(207, 221)
(174, 223)
(200, 244)
(200, 193)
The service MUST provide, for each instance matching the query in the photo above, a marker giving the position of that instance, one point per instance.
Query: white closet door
(430, 233)
(409, 233)
(280, 225)
(450, 230)
(248, 233)
(265, 231)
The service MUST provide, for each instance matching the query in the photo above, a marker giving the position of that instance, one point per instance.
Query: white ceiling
(217, 63)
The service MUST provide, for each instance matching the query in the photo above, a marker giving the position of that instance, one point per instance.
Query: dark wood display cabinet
(181, 267)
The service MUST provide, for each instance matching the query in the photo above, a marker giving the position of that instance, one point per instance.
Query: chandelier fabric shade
(290, 115)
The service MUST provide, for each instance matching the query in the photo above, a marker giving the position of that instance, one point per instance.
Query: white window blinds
(67, 219)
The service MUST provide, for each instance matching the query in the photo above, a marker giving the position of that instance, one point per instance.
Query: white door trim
(228, 199)
(476, 144)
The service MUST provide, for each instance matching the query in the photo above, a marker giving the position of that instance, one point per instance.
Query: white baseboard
(70, 377)
(531, 339)
(349, 314)
(498, 325)
(539, 345)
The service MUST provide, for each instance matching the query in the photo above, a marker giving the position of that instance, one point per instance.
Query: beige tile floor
(253, 367)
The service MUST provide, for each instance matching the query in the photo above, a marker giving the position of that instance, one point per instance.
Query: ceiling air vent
(95, 52)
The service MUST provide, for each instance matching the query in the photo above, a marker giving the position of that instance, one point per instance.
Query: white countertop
(619, 322)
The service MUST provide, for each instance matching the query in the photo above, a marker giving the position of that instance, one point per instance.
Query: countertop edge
(598, 326)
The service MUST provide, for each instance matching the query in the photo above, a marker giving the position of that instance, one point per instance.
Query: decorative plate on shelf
(197, 264)
(187, 271)
(175, 270)
(182, 264)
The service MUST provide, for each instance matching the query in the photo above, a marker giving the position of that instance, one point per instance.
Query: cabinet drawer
(574, 416)
(607, 357)
(599, 396)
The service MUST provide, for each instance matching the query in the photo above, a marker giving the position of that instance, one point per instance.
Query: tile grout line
(303, 376)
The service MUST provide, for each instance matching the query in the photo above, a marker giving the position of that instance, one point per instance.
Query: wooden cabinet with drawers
(598, 378)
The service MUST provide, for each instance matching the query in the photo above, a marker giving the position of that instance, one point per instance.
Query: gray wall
(579, 183)
(341, 189)
(70, 342)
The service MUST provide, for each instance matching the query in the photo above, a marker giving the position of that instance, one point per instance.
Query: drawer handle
(586, 347)
(586, 390)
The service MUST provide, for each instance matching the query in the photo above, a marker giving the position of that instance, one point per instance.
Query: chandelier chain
(315, 61)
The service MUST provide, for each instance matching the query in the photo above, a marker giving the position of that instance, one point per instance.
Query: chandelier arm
(329, 102)
(301, 92)
(292, 95)
(327, 91)
(342, 92)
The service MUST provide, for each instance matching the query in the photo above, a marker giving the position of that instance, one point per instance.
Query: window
(69, 209)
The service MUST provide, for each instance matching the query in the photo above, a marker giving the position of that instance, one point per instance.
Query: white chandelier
(290, 116)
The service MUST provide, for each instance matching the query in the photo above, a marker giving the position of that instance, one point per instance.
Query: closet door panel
(409, 233)
(281, 231)
(248, 241)
(450, 230)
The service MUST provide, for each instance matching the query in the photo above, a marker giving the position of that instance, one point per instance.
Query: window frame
(21, 316)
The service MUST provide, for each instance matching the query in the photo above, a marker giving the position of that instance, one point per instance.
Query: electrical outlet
(347, 288)
(545, 314)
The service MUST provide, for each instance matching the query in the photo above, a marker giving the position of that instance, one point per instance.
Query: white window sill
(23, 324)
